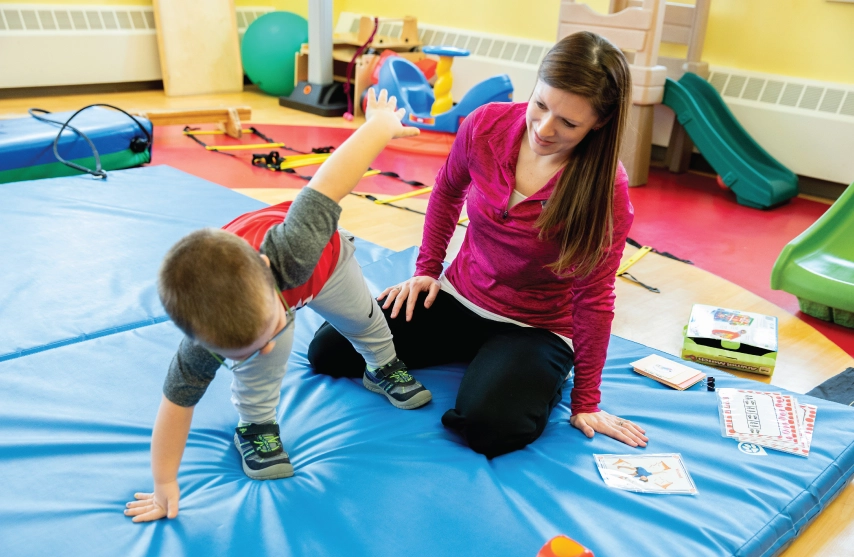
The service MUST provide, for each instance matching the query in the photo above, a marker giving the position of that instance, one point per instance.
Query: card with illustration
(731, 325)
(652, 473)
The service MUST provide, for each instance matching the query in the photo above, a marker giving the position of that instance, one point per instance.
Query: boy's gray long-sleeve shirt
(294, 248)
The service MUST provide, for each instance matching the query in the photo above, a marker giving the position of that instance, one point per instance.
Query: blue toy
(431, 108)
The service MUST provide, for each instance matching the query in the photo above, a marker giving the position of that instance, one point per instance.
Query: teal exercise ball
(268, 50)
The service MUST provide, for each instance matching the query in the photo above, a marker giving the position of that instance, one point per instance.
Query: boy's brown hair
(216, 288)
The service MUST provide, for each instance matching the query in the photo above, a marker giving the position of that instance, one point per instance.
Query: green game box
(731, 338)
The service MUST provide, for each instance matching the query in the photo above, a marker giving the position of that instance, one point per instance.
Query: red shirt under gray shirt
(501, 266)
(303, 252)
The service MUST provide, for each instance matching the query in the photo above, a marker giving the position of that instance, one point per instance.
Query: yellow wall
(811, 39)
(296, 6)
(502, 17)
(803, 38)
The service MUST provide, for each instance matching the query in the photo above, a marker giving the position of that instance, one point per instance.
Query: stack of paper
(773, 420)
(673, 374)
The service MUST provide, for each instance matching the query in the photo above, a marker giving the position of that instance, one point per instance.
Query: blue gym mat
(76, 419)
(79, 254)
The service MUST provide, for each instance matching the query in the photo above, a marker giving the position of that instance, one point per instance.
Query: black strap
(264, 137)
(138, 146)
(372, 198)
(254, 430)
(662, 253)
(633, 279)
(397, 177)
(202, 143)
(273, 161)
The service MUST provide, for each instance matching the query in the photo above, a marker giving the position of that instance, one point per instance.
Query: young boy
(236, 304)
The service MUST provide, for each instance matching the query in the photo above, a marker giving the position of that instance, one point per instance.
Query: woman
(531, 292)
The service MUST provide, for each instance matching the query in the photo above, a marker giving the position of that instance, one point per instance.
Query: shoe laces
(267, 442)
(400, 376)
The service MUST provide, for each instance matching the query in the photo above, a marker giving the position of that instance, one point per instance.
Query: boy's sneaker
(263, 455)
(401, 389)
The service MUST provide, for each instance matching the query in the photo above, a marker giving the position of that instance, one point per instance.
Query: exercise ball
(268, 50)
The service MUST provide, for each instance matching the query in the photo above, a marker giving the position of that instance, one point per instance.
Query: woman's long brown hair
(580, 211)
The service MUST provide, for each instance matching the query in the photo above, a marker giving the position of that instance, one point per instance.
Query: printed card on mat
(772, 420)
(652, 473)
(806, 421)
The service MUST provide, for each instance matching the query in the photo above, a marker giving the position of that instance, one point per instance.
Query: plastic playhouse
(818, 265)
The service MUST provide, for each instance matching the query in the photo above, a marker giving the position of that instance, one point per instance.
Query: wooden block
(195, 116)
(232, 126)
(199, 46)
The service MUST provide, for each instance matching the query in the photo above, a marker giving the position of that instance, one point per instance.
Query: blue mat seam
(822, 503)
(84, 337)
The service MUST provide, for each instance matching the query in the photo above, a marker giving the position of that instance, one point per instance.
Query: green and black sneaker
(262, 452)
(398, 386)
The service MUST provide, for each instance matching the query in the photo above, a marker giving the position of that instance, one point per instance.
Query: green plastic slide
(818, 265)
(756, 178)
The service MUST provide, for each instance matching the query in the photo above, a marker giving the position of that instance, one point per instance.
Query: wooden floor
(806, 358)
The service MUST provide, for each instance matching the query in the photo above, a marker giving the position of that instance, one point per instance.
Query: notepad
(673, 374)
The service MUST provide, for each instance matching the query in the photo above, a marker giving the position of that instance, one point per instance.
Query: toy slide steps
(818, 265)
(756, 178)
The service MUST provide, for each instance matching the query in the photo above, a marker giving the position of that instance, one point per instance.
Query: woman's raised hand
(407, 292)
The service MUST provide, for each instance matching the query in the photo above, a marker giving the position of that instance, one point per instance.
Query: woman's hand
(384, 109)
(407, 292)
(610, 425)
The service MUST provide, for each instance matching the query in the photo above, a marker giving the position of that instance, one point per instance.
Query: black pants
(510, 387)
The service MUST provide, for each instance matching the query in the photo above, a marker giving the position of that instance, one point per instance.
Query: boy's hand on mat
(610, 425)
(153, 506)
(407, 292)
(383, 110)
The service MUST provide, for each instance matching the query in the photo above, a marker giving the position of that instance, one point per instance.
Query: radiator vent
(521, 51)
(122, 39)
(52, 18)
(828, 99)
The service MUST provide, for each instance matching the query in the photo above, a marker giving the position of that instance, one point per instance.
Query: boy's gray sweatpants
(348, 305)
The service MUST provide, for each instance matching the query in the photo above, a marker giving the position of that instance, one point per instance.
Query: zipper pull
(504, 215)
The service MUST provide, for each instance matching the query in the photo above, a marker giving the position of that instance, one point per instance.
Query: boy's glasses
(290, 312)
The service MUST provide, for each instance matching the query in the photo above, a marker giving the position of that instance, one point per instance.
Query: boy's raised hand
(385, 109)
(153, 506)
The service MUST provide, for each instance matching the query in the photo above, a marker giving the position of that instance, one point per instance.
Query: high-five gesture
(342, 171)
(385, 108)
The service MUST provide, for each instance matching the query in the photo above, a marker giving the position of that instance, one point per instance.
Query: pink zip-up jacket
(501, 266)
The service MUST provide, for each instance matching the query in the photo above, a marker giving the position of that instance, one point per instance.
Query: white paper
(653, 473)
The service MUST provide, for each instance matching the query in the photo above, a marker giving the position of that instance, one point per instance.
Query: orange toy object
(561, 546)
(427, 67)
